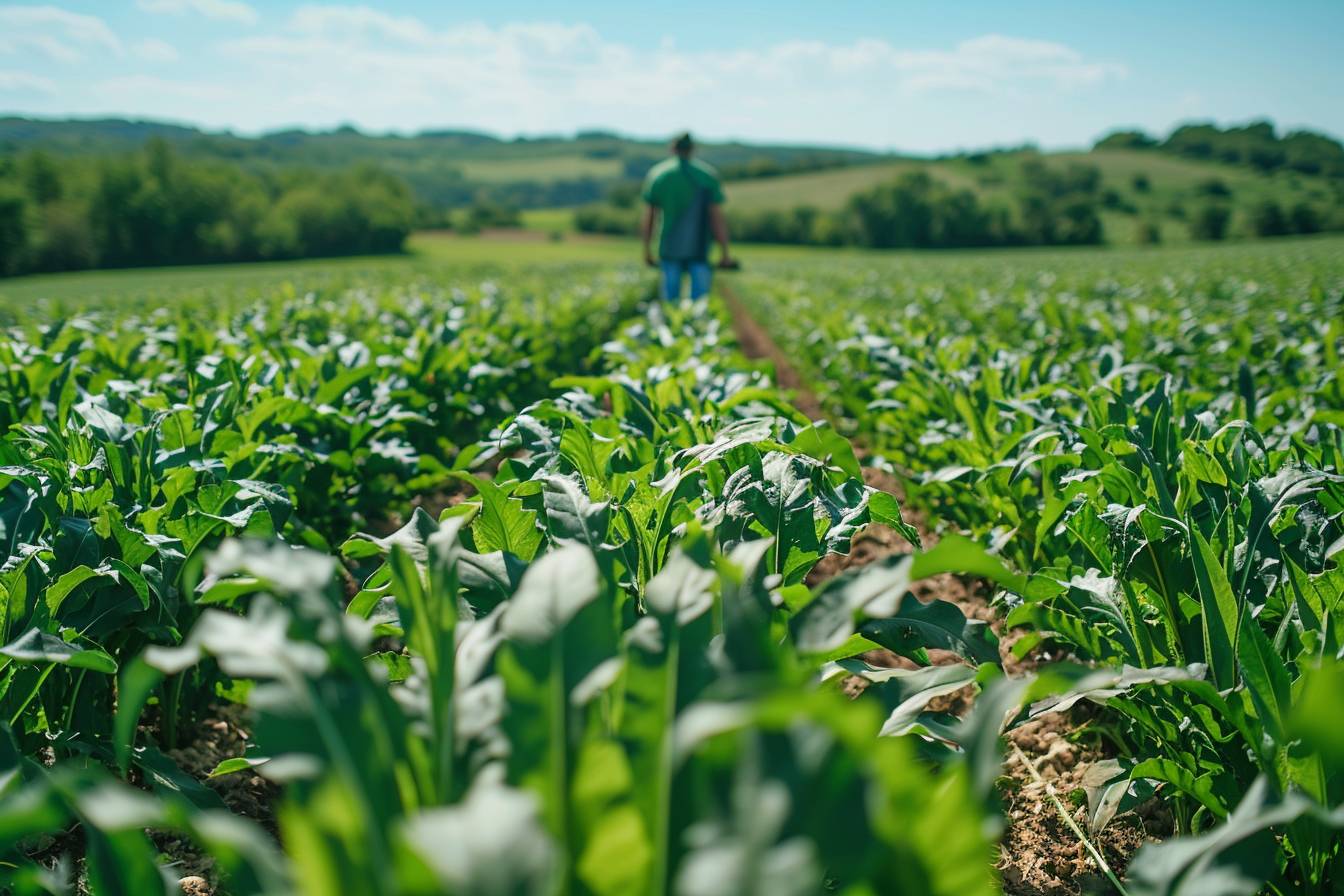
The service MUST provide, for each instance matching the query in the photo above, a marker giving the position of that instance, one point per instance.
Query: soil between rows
(1038, 854)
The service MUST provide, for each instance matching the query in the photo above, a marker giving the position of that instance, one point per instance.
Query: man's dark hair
(683, 144)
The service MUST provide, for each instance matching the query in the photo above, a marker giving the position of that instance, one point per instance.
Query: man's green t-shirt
(683, 190)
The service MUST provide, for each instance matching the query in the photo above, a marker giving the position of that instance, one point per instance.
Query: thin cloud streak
(220, 10)
(56, 33)
(25, 81)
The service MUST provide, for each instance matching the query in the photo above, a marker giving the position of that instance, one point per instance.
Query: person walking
(686, 194)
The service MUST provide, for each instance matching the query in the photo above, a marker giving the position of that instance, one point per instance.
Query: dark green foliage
(1255, 144)
(1126, 140)
(1059, 205)
(157, 207)
(801, 226)
(1268, 219)
(1149, 233)
(483, 214)
(613, 219)
(1215, 187)
(1303, 217)
(916, 211)
(1210, 221)
(14, 228)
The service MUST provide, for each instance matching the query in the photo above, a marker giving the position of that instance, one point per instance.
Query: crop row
(596, 674)
(599, 667)
(1160, 454)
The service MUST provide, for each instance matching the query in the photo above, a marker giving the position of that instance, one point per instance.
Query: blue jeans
(673, 271)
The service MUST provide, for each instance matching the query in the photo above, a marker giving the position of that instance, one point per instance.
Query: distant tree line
(1257, 145)
(436, 164)
(1053, 206)
(763, 166)
(156, 207)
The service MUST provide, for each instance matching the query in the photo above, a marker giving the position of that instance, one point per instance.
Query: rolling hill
(1139, 186)
(1146, 186)
(444, 168)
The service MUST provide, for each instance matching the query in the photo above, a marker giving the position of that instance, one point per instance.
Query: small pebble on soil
(195, 886)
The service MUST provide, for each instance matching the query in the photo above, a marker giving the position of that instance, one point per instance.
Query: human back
(683, 189)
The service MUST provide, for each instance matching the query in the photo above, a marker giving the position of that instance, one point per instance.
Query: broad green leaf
(66, 584)
(552, 592)
(36, 646)
(1235, 858)
(1220, 614)
(504, 524)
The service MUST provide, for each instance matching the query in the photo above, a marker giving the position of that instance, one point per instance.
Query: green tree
(1304, 218)
(1268, 219)
(1149, 233)
(1210, 221)
(1126, 140)
(66, 241)
(14, 228)
(1059, 205)
(41, 177)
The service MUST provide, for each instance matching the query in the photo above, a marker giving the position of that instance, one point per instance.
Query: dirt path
(1039, 855)
(757, 344)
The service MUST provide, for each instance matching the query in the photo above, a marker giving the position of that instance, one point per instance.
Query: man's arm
(646, 232)
(718, 225)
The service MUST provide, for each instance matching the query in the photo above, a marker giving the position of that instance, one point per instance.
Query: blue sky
(917, 77)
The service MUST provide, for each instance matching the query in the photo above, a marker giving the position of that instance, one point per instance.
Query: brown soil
(1039, 855)
(245, 793)
(757, 344)
(221, 737)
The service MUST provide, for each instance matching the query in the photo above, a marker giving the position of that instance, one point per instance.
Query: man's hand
(718, 225)
(646, 235)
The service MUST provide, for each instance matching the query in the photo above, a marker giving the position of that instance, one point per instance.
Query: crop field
(481, 574)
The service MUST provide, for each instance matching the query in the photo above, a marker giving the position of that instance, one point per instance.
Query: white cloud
(25, 82)
(56, 33)
(360, 22)
(326, 64)
(360, 64)
(152, 49)
(222, 10)
(994, 62)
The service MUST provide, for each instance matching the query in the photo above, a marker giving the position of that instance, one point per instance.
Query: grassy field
(427, 253)
(431, 254)
(541, 168)
(548, 219)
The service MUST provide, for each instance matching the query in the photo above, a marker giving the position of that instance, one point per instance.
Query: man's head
(683, 145)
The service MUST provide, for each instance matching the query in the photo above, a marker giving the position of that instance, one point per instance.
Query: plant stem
(1068, 820)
